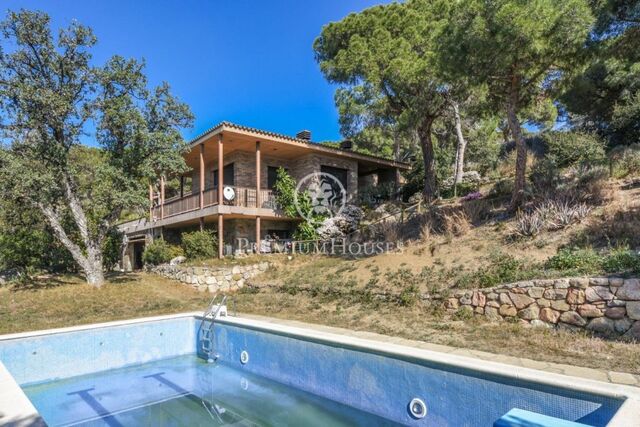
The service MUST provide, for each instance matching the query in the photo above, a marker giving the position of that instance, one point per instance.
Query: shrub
(622, 260)
(571, 148)
(199, 244)
(625, 160)
(160, 252)
(529, 224)
(579, 261)
(503, 269)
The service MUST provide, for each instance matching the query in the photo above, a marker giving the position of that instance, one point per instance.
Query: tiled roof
(290, 138)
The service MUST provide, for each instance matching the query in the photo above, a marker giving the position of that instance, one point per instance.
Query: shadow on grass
(119, 278)
(39, 283)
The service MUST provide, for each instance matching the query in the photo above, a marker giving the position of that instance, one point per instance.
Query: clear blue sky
(245, 61)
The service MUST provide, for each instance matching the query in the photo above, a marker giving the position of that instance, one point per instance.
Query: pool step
(521, 418)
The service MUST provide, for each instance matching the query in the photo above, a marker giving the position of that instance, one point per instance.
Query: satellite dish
(229, 193)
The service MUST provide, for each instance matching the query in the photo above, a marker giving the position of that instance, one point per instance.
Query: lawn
(66, 301)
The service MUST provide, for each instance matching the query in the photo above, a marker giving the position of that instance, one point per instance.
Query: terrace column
(150, 203)
(258, 203)
(162, 197)
(220, 236)
(202, 176)
(220, 169)
(220, 197)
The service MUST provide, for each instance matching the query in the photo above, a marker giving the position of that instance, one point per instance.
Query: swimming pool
(154, 372)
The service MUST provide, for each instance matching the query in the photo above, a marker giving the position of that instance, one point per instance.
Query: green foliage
(580, 261)
(383, 58)
(47, 109)
(160, 252)
(573, 148)
(625, 160)
(621, 260)
(294, 204)
(27, 245)
(111, 249)
(605, 96)
(199, 244)
(285, 193)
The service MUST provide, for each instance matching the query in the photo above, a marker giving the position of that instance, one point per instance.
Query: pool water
(186, 391)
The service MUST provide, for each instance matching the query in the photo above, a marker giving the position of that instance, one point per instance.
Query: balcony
(244, 197)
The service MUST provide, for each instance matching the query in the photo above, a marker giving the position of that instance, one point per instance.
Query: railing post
(150, 203)
(220, 169)
(162, 197)
(202, 176)
(258, 170)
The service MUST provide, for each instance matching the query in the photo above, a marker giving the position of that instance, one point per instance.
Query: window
(272, 176)
(228, 173)
(338, 173)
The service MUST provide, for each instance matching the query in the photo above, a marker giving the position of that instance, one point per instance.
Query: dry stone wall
(605, 305)
(209, 278)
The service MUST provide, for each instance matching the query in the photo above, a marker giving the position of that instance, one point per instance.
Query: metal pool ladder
(206, 333)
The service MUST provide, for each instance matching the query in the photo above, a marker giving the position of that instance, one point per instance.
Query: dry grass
(67, 301)
(418, 323)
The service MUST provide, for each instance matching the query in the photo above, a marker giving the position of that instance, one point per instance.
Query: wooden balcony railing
(244, 197)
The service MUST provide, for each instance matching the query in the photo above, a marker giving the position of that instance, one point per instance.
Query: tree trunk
(426, 143)
(462, 146)
(90, 263)
(521, 151)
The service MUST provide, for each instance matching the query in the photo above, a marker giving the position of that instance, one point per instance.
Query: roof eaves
(224, 124)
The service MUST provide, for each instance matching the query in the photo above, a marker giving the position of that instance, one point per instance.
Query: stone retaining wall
(606, 305)
(212, 279)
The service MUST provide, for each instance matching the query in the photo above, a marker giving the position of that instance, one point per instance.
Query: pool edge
(628, 412)
(16, 410)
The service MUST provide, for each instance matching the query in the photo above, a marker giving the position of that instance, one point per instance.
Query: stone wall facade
(211, 279)
(605, 305)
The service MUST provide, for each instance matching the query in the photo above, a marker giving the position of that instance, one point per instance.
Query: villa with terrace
(246, 161)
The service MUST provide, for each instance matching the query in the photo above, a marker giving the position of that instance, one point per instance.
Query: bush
(625, 160)
(622, 260)
(160, 252)
(199, 244)
(578, 261)
(572, 148)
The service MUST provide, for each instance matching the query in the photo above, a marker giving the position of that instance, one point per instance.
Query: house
(245, 160)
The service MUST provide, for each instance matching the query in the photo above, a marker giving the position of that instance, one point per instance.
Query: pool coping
(19, 407)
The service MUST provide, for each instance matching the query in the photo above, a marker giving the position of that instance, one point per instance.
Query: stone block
(615, 312)
(572, 318)
(589, 310)
(599, 281)
(622, 325)
(504, 299)
(508, 310)
(601, 325)
(532, 312)
(579, 282)
(560, 305)
(561, 283)
(478, 299)
(452, 304)
(554, 294)
(598, 293)
(630, 290)
(535, 292)
(542, 302)
(575, 296)
(633, 334)
(549, 315)
(633, 310)
(616, 282)
(520, 300)
(491, 313)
